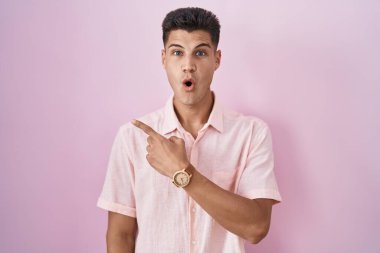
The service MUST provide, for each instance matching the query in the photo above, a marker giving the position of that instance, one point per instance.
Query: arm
(247, 218)
(121, 233)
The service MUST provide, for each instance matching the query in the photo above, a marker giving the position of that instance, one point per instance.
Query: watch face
(181, 179)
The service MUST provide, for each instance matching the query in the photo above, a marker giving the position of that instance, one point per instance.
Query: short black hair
(191, 19)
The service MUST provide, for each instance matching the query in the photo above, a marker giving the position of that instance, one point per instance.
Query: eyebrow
(200, 45)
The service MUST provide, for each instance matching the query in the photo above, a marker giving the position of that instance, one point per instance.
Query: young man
(190, 177)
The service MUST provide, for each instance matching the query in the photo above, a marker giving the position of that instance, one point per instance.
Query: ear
(218, 58)
(163, 57)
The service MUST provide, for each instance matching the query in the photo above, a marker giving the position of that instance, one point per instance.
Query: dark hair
(191, 19)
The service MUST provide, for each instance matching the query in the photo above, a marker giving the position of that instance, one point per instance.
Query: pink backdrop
(71, 72)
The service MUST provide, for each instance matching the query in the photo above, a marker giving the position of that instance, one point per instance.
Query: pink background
(71, 72)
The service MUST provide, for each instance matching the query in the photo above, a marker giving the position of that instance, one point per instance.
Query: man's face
(190, 60)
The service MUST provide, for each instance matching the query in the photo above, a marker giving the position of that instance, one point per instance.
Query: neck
(193, 117)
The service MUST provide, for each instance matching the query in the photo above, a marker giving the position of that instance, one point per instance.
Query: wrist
(182, 178)
(180, 166)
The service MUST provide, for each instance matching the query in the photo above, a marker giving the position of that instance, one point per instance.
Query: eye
(200, 53)
(177, 52)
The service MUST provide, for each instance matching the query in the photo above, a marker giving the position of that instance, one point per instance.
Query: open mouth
(188, 84)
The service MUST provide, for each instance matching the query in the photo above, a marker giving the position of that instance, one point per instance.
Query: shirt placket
(189, 143)
(192, 205)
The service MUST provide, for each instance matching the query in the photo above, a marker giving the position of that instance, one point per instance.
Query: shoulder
(251, 129)
(243, 122)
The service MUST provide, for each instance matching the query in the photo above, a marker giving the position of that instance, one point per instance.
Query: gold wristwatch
(181, 178)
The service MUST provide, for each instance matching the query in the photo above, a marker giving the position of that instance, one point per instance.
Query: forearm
(244, 217)
(118, 243)
(241, 216)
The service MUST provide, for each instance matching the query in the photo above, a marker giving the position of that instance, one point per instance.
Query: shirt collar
(171, 121)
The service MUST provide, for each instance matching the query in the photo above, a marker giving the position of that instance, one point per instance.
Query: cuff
(263, 194)
(117, 208)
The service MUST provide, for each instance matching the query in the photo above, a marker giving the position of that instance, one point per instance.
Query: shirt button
(193, 209)
(193, 241)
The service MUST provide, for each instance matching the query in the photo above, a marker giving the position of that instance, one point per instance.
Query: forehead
(188, 39)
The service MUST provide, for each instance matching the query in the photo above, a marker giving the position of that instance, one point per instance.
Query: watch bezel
(178, 184)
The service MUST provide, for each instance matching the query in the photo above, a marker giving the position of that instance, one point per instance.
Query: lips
(188, 84)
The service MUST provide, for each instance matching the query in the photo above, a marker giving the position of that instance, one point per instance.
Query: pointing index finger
(147, 129)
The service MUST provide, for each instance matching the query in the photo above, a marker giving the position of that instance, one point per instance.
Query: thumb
(175, 139)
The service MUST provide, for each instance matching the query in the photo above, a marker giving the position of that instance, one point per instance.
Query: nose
(188, 65)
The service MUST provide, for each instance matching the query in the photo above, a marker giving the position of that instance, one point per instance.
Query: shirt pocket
(225, 179)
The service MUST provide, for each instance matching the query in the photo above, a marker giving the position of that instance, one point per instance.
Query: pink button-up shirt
(232, 150)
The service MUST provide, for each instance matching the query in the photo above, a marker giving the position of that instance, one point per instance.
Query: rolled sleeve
(258, 178)
(117, 194)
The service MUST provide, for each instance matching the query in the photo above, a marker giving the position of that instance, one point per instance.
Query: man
(190, 177)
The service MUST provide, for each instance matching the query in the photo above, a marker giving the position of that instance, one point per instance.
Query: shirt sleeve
(118, 190)
(258, 179)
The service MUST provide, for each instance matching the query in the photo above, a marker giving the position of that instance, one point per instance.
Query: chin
(186, 99)
(188, 102)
